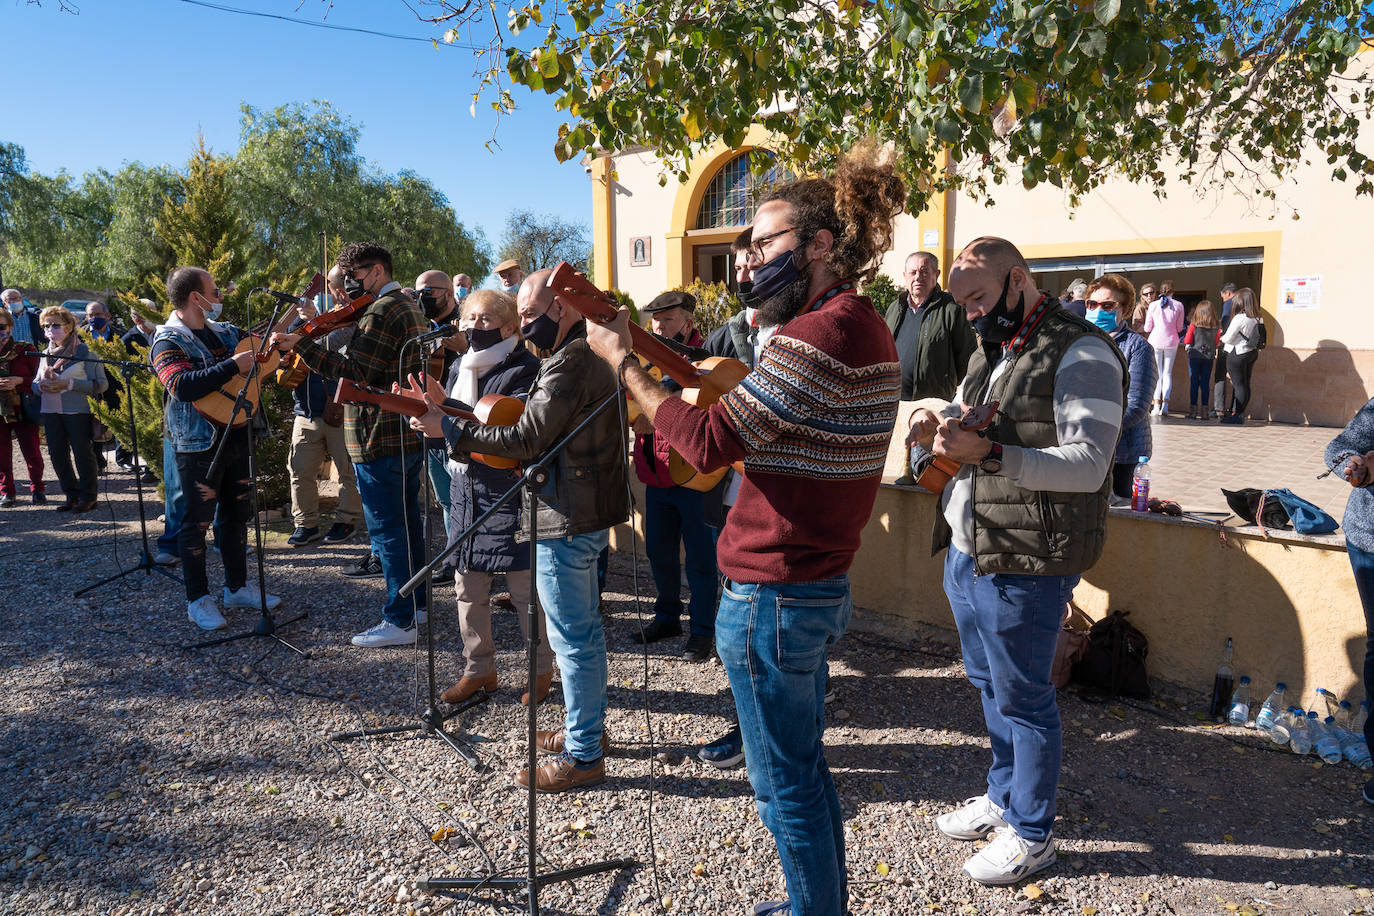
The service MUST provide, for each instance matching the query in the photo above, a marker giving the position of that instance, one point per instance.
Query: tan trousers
(474, 621)
(311, 442)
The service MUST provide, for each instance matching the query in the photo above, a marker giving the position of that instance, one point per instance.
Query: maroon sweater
(812, 424)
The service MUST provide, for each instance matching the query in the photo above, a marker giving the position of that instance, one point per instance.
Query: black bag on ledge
(1115, 660)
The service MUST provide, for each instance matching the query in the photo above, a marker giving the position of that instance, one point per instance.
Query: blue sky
(133, 80)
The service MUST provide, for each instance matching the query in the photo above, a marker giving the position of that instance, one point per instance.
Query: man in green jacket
(934, 339)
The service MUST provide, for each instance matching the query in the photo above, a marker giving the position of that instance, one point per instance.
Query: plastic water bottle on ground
(1343, 716)
(1222, 687)
(1240, 705)
(1333, 704)
(1280, 728)
(1299, 738)
(1354, 748)
(1270, 711)
(1361, 717)
(1140, 485)
(1324, 738)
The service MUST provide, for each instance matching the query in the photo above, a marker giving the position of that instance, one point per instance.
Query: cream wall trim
(701, 170)
(603, 239)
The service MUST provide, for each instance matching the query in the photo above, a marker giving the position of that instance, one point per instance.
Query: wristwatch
(992, 462)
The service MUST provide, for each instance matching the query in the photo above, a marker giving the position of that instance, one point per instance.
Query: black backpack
(1115, 660)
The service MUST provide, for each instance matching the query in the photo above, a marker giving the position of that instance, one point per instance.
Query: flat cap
(674, 298)
(507, 264)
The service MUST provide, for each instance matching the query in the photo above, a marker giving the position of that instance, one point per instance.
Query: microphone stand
(536, 476)
(431, 721)
(145, 563)
(266, 625)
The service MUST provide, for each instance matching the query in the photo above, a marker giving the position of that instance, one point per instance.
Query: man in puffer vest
(1023, 518)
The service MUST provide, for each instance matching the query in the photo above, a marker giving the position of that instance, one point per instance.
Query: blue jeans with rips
(1008, 629)
(675, 518)
(773, 640)
(566, 582)
(390, 488)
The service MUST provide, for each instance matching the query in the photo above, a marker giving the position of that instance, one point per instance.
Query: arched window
(733, 194)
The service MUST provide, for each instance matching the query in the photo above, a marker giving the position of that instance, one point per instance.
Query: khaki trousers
(474, 621)
(311, 442)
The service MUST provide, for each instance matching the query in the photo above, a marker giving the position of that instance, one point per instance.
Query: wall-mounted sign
(640, 253)
(930, 238)
(1300, 293)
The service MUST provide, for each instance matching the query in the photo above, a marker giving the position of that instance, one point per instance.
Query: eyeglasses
(1101, 303)
(363, 267)
(58, 325)
(756, 247)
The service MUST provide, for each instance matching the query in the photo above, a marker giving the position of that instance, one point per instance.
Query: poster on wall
(640, 252)
(1300, 293)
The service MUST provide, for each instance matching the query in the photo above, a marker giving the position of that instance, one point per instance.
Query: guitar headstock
(315, 288)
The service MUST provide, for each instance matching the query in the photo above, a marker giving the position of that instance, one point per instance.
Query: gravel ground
(144, 778)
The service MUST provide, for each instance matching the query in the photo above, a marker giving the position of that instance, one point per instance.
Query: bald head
(335, 281)
(992, 253)
(535, 293)
(984, 270)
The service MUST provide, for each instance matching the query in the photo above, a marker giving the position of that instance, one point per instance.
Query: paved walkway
(1193, 460)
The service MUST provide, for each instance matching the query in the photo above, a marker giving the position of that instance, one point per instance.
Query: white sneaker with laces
(385, 634)
(165, 558)
(204, 613)
(249, 597)
(975, 820)
(1009, 859)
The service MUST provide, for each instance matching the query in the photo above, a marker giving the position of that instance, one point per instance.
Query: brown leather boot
(561, 774)
(551, 742)
(543, 683)
(467, 686)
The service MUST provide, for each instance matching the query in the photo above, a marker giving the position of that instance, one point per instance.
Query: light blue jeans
(442, 482)
(566, 582)
(773, 640)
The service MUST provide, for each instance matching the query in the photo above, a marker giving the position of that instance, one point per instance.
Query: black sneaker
(338, 533)
(725, 752)
(698, 647)
(302, 536)
(656, 630)
(40, 499)
(442, 576)
(369, 567)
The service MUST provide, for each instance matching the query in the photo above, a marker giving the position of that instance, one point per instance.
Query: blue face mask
(772, 277)
(461, 292)
(1106, 319)
(512, 289)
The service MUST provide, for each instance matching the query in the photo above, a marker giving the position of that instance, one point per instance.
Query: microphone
(447, 330)
(283, 297)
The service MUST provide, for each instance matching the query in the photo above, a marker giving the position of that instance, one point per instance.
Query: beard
(786, 304)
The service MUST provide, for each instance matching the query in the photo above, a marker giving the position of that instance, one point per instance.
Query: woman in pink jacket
(1163, 325)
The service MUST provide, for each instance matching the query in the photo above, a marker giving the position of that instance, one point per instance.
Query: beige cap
(507, 264)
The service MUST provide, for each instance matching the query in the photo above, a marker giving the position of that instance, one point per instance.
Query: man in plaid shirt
(388, 458)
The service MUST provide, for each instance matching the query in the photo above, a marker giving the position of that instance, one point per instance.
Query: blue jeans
(1363, 566)
(442, 482)
(566, 582)
(673, 516)
(1199, 380)
(391, 508)
(1008, 629)
(773, 641)
(174, 500)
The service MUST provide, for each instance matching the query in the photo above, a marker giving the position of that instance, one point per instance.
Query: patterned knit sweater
(812, 424)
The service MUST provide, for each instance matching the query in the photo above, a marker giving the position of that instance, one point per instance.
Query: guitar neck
(573, 289)
(352, 393)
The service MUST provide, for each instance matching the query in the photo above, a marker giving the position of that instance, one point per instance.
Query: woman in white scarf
(496, 363)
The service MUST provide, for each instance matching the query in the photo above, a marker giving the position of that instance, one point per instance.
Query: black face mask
(354, 288)
(542, 332)
(746, 294)
(431, 304)
(481, 338)
(999, 325)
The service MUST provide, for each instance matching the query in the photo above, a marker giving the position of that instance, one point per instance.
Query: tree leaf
(1046, 31)
(971, 93)
(1106, 10)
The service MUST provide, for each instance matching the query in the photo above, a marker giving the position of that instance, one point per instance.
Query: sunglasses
(1101, 303)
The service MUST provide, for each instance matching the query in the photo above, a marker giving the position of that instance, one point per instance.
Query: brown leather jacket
(587, 491)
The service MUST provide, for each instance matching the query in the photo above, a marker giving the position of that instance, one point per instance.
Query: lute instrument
(218, 405)
(490, 410)
(703, 383)
(941, 470)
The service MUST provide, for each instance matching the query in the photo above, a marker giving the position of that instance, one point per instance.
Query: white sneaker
(165, 558)
(975, 820)
(1009, 859)
(204, 613)
(249, 597)
(385, 634)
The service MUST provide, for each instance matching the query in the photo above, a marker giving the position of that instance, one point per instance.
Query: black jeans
(1123, 479)
(1239, 366)
(231, 490)
(69, 438)
(1363, 566)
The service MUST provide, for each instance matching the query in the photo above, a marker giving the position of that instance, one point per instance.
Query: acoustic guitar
(703, 383)
(218, 405)
(491, 410)
(941, 470)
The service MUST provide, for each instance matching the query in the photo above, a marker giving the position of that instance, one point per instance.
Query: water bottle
(1283, 725)
(1354, 748)
(1361, 717)
(1140, 485)
(1326, 700)
(1240, 705)
(1343, 716)
(1222, 686)
(1299, 738)
(1324, 738)
(1269, 712)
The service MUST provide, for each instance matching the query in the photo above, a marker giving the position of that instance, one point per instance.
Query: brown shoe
(551, 742)
(85, 506)
(543, 683)
(560, 774)
(467, 686)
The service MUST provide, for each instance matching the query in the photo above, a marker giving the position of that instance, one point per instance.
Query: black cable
(331, 26)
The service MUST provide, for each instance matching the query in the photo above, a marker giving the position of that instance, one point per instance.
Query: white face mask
(512, 289)
(213, 311)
